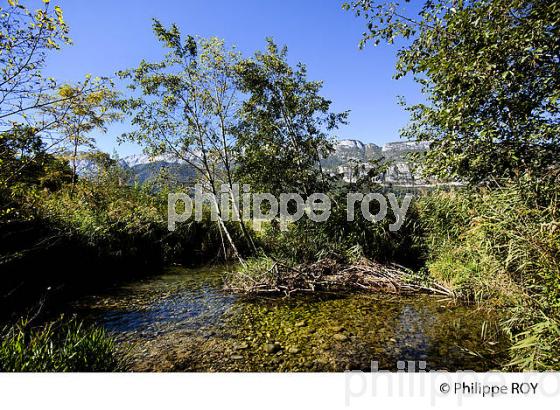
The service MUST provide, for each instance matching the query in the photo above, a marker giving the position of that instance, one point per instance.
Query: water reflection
(179, 299)
(411, 340)
(182, 320)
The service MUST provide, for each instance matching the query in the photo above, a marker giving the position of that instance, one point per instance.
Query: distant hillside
(347, 154)
(143, 168)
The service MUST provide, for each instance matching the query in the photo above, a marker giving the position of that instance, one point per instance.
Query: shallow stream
(181, 320)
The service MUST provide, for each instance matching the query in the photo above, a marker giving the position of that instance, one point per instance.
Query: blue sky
(112, 35)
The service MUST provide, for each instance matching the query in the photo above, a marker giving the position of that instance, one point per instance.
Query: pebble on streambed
(341, 337)
(272, 348)
(202, 328)
(241, 346)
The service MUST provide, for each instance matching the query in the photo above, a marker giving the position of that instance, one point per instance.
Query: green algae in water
(183, 321)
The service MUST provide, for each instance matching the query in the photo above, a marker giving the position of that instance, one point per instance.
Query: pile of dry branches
(327, 275)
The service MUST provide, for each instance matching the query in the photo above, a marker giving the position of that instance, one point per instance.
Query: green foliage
(187, 108)
(116, 220)
(187, 101)
(258, 269)
(25, 163)
(284, 124)
(502, 246)
(87, 106)
(24, 160)
(58, 346)
(445, 216)
(309, 241)
(536, 341)
(27, 36)
(490, 72)
(101, 211)
(34, 110)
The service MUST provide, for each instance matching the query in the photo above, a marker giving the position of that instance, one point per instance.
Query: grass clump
(256, 270)
(58, 346)
(502, 247)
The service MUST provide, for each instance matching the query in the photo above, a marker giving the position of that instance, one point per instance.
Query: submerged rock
(301, 323)
(240, 346)
(203, 329)
(341, 337)
(271, 348)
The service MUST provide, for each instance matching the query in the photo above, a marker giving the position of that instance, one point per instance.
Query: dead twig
(331, 275)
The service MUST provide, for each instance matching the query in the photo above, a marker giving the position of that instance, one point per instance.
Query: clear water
(183, 321)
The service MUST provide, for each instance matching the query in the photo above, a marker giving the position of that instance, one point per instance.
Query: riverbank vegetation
(501, 247)
(490, 72)
(61, 345)
(491, 118)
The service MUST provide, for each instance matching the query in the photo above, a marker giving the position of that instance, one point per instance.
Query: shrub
(309, 241)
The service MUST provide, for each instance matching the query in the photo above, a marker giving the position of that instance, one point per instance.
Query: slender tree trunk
(74, 167)
(227, 166)
(236, 210)
(212, 183)
(221, 221)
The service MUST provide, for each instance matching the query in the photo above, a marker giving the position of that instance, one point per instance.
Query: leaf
(59, 16)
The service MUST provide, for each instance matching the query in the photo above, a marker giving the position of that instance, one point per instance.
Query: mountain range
(349, 156)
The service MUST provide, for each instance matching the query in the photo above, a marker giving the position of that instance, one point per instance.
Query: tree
(284, 125)
(25, 38)
(22, 153)
(491, 72)
(33, 108)
(84, 112)
(24, 162)
(187, 107)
